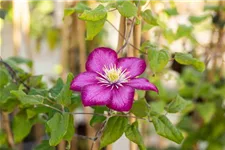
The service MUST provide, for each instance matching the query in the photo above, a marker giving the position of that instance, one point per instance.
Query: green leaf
(127, 9)
(35, 81)
(157, 107)
(171, 11)
(42, 92)
(206, 110)
(141, 2)
(94, 27)
(105, 1)
(65, 94)
(149, 18)
(147, 27)
(69, 11)
(4, 79)
(114, 130)
(21, 126)
(211, 7)
(20, 60)
(169, 35)
(111, 5)
(58, 126)
(183, 31)
(55, 90)
(31, 112)
(9, 105)
(97, 14)
(147, 45)
(187, 59)
(44, 146)
(133, 134)
(198, 19)
(140, 108)
(158, 59)
(96, 118)
(75, 101)
(166, 129)
(7, 100)
(184, 59)
(28, 99)
(79, 8)
(177, 105)
(198, 65)
(70, 130)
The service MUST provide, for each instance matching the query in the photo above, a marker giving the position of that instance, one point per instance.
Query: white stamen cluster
(113, 76)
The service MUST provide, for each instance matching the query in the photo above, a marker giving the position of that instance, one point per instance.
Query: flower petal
(142, 84)
(135, 66)
(122, 98)
(83, 79)
(99, 58)
(96, 95)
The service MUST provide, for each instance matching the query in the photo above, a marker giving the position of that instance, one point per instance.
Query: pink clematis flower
(111, 81)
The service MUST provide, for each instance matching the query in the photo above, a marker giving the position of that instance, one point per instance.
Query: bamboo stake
(16, 47)
(137, 35)
(6, 127)
(65, 44)
(25, 25)
(122, 30)
(135, 53)
(82, 58)
(25, 19)
(220, 41)
(65, 55)
(130, 50)
(16, 27)
(81, 45)
(62, 145)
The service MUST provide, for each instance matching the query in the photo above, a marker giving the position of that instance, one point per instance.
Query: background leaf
(65, 94)
(55, 90)
(166, 129)
(70, 130)
(206, 110)
(97, 14)
(187, 59)
(183, 31)
(4, 79)
(79, 8)
(94, 27)
(114, 130)
(140, 108)
(149, 18)
(177, 105)
(58, 126)
(97, 118)
(171, 11)
(21, 126)
(133, 134)
(27, 100)
(127, 9)
(20, 60)
(158, 59)
(197, 19)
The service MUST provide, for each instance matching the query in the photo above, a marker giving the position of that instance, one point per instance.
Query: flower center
(113, 76)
